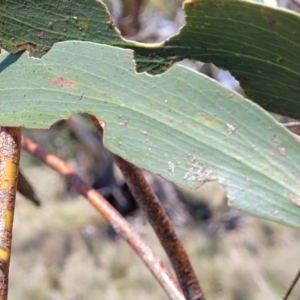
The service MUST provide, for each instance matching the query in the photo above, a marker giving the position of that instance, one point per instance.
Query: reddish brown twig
(292, 285)
(296, 2)
(163, 276)
(162, 225)
(10, 145)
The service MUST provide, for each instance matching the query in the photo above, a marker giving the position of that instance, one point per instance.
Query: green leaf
(181, 124)
(36, 25)
(259, 45)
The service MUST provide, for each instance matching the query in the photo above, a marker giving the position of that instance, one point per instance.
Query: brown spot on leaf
(280, 59)
(208, 121)
(271, 153)
(29, 46)
(281, 151)
(110, 23)
(63, 82)
(46, 48)
(190, 2)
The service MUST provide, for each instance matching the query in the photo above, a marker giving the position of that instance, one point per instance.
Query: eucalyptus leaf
(180, 124)
(258, 44)
(36, 25)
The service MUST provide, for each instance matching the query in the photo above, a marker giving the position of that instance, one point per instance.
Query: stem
(291, 124)
(161, 224)
(10, 145)
(292, 285)
(156, 266)
(163, 227)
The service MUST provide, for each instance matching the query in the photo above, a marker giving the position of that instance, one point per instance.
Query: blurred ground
(61, 251)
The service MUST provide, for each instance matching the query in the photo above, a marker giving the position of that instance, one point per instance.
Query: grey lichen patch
(171, 167)
(230, 128)
(6, 143)
(275, 140)
(238, 158)
(199, 172)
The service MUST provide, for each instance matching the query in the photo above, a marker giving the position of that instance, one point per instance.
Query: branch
(120, 225)
(292, 285)
(292, 124)
(296, 2)
(10, 145)
(161, 224)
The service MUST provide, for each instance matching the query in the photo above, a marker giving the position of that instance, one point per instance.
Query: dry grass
(53, 260)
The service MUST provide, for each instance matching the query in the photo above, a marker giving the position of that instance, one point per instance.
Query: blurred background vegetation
(65, 250)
